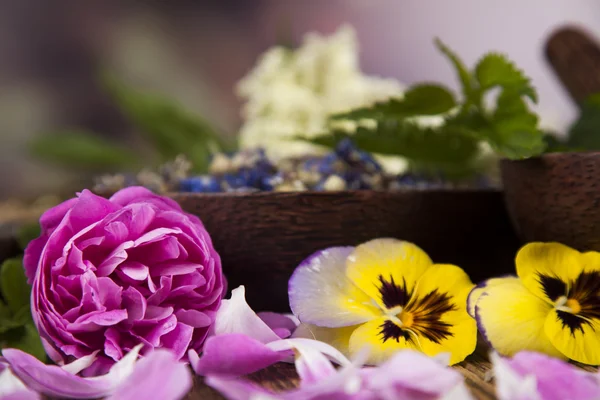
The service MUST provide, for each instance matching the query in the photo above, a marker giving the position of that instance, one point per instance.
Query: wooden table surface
(282, 376)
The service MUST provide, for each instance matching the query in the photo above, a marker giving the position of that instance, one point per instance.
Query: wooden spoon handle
(575, 58)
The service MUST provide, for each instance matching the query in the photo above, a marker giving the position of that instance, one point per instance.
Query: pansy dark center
(577, 302)
(410, 317)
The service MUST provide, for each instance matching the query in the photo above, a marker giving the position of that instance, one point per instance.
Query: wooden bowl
(262, 237)
(555, 197)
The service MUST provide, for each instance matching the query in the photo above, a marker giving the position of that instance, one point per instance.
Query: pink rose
(110, 274)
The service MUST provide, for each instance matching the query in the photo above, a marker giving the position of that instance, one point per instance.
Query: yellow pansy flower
(386, 294)
(553, 306)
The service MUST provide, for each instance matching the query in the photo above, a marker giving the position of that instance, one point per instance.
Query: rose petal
(53, 380)
(135, 194)
(234, 355)
(96, 319)
(178, 339)
(135, 303)
(12, 388)
(281, 324)
(420, 374)
(239, 389)
(173, 268)
(135, 270)
(157, 376)
(193, 318)
(550, 378)
(236, 316)
(310, 346)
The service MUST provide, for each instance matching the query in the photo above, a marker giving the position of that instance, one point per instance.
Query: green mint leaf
(420, 100)
(25, 338)
(464, 75)
(584, 133)
(80, 149)
(496, 69)
(27, 233)
(168, 126)
(513, 128)
(13, 283)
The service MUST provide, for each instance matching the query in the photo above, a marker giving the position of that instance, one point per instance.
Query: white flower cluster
(291, 93)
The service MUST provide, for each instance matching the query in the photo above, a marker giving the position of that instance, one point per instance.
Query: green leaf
(464, 75)
(170, 128)
(554, 145)
(584, 133)
(513, 130)
(7, 322)
(420, 100)
(13, 283)
(27, 233)
(497, 70)
(443, 149)
(24, 338)
(81, 149)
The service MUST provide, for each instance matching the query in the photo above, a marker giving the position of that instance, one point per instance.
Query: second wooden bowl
(262, 237)
(555, 197)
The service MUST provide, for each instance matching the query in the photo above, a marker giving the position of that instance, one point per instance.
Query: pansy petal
(438, 313)
(479, 290)
(157, 376)
(371, 335)
(380, 261)
(234, 355)
(507, 305)
(336, 337)
(321, 294)
(546, 269)
(236, 316)
(574, 337)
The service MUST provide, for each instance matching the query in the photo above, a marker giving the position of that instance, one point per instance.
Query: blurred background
(195, 51)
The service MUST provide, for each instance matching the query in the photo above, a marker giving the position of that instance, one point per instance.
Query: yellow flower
(385, 294)
(552, 307)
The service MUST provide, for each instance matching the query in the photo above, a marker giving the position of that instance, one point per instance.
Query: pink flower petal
(281, 324)
(194, 318)
(134, 303)
(95, 320)
(234, 355)
(419, 374)
(240, 389)
(178, 339)
(173, 268)
(135, 270)
(529, 373)
(135, 194)
(157, 376)
(236, 316)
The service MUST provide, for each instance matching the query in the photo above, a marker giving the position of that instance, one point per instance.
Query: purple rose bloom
(110, 274)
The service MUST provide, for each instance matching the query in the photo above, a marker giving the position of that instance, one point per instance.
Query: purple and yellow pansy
(552, 306)
(387, 295)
